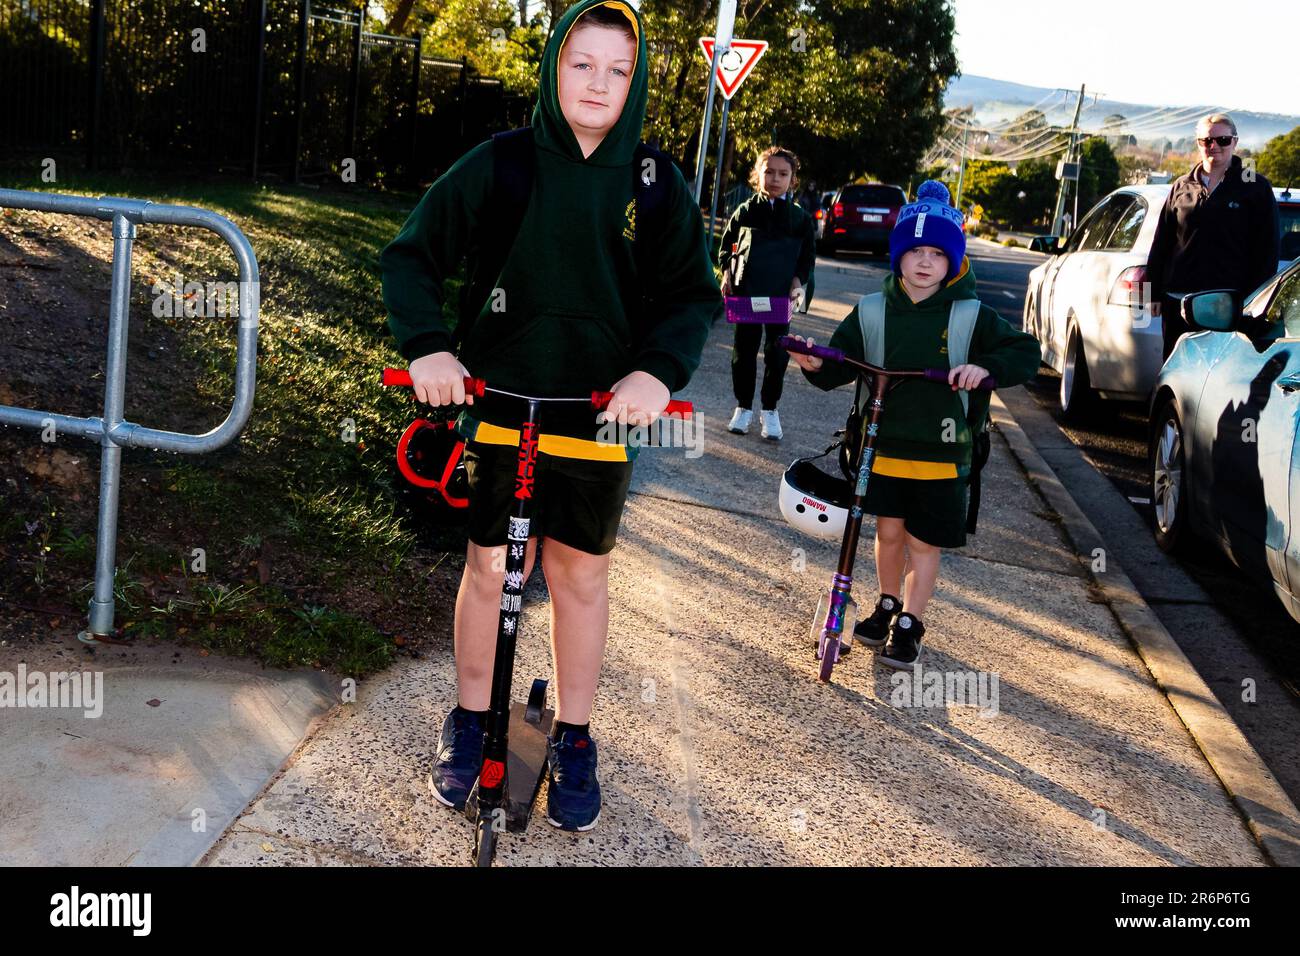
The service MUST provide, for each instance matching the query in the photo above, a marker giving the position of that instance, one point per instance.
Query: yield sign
(735, 64)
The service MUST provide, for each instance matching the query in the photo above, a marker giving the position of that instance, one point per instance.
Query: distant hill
(998, 100)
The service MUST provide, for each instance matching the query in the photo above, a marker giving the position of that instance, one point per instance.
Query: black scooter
(515, 735)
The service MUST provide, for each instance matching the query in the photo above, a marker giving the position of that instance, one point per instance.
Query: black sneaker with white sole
(873, 630)
(903, 646)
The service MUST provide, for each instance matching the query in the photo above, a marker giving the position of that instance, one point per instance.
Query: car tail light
(837, 210)
(1129, 288)
(841, 230)
(819, 213)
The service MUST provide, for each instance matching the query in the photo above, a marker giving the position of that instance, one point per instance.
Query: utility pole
(961, 168)
(1069, 157)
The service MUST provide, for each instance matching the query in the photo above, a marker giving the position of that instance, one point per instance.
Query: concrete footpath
(718, 744)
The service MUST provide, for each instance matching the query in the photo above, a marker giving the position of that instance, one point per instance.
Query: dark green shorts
(933, 510)
(575, 501)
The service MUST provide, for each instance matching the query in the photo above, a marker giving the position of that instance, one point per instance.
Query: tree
(1037, 180)
(1113, 126)
(1029, 125)
(855, 87)
(485, 33)
(1279, 160)
(1099, 173)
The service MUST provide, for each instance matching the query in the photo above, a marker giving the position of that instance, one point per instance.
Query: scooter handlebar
(791, 344)
(476, 387)
(940, 375)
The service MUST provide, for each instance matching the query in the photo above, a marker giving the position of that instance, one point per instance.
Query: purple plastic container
(764, 310)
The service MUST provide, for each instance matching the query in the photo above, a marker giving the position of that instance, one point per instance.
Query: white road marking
(1009, 295)
(1139, 501)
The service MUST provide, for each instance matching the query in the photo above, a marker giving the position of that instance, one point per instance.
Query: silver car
(1084, 304)
(1225, 434)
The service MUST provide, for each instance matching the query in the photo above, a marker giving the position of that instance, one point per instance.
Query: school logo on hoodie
(629, 231)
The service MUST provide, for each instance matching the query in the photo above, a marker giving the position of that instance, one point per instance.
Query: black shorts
(575, 501)
(933, 509)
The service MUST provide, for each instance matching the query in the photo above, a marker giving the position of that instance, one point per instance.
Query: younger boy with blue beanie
(919, 478)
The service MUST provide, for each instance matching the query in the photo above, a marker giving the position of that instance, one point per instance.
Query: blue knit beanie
(930, 221)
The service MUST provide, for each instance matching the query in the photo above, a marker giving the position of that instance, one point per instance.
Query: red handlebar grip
(398, 376)
(600, 401)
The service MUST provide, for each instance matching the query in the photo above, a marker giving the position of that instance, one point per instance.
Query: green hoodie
(571, 297)
(913, 425)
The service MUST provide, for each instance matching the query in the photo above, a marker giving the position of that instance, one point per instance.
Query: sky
(1237, 54)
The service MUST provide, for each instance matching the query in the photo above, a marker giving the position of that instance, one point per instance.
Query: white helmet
(814, 502)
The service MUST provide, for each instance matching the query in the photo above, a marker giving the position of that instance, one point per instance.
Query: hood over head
(551, 129)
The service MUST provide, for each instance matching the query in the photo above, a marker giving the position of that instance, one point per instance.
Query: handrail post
(110, 460)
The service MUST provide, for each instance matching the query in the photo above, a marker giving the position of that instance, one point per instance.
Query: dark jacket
(775, 242)
(1227, 239)
(566, 321)
(915, 424)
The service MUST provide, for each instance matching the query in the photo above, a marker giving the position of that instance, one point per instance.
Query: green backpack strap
(962, 318)
(871, 320)
(961, 328)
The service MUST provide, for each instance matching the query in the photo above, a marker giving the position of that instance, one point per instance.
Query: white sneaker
(771, 425)
(740, 420)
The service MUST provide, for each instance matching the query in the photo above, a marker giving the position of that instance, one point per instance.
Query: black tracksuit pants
(744, 362)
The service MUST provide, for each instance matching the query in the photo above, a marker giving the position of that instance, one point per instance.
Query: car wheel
(1077, 398)
(1168, 480)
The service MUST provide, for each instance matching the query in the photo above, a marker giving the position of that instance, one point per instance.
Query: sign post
(730, 67)
(726, 24)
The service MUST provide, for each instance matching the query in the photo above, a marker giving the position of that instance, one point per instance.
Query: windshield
(1289, 213)
(875, 195)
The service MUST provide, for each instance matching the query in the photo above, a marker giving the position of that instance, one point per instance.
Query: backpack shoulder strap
(513, 168)
(961, 328)
(871, 320)
(652, 173)
(652, 176)
(512, 172)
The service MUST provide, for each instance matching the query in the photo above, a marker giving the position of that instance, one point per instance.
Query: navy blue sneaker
(573, 796)
(458, 759)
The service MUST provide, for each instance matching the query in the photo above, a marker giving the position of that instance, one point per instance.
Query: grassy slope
(311, 474)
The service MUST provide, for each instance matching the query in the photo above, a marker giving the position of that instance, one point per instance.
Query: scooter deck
(525, 767)
(525, 764)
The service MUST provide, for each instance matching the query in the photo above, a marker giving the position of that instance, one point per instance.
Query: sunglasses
(1221, 140)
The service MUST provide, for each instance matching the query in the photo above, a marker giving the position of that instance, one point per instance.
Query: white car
(1084, 305)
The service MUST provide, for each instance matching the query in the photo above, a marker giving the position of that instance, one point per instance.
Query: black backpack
(513, 169)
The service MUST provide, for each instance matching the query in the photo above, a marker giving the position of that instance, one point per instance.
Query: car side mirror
(1048, 244)
(1212, 311)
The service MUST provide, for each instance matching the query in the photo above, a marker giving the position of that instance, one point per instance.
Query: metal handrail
(111, 430)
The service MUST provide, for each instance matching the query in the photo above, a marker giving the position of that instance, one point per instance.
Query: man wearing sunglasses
(1219, 229)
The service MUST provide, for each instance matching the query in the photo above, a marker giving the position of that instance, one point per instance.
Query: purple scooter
(838, 603)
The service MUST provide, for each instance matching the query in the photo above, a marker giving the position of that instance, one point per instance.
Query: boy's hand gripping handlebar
(826, 353)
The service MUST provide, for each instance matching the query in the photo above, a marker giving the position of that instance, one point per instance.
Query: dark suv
(859, 217)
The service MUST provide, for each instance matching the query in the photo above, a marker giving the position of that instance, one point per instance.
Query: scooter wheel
(485, 842)
(828, 660)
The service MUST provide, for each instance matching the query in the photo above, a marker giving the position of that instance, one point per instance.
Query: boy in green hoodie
(923, 447)
(567, 315)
